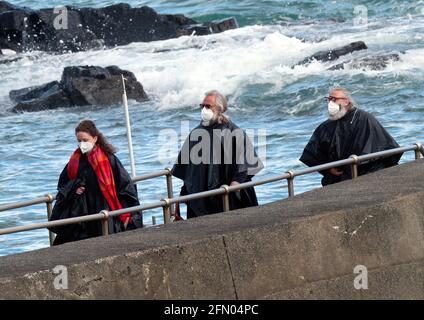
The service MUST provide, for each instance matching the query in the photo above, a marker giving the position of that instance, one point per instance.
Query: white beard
(338, 115)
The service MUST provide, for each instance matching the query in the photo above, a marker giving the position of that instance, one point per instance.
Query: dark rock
(223, 25)
(197, 29)
(334, 54)
(50, 96)
(378, 62)
(31, 92)
(209, 28)
(80, 86)
(374, 63)
(100, 86)
(23, 29)
(6, 6)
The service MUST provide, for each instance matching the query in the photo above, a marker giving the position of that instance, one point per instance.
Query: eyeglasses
(207, 106)
(333, 99)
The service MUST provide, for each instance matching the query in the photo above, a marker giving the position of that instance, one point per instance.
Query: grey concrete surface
(286, 249)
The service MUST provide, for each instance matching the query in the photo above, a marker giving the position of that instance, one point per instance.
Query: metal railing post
(354, 166)
(169, 188)
(49, 205)
(105, 222)
(290, 184)
(153, 220)
(166, 211)
(418, 151)
(226, 198)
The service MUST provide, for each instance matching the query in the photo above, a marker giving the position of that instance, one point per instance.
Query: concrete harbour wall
(303, 247)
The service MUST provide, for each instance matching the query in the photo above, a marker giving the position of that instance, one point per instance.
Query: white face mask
(336, 111)
(333, 108)
(207, 116)
(85, 146)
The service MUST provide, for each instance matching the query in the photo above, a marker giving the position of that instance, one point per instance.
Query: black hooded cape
(208, 175)
(69, 205)
(357, 133)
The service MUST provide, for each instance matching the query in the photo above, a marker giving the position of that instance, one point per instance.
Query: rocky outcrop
(48, 96)
(78, 29)
(375, 63)
(79, 86)
(209, 28)
(334, 54)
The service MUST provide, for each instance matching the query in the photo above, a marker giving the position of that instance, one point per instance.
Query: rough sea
(251, 65)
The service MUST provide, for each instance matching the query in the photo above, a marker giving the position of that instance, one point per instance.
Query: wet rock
(49, 96)
(30, 93)
(90, 85)
(23, 29)
(194, 29)
(223, 25)
(374, 63)
(217, 26)
(334, 54)
(6, 6)
(79, 86)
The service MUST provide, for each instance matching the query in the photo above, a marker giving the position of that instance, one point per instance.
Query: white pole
(128, 125)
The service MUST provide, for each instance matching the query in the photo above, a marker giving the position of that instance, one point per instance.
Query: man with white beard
(348, 131)
(217, 152)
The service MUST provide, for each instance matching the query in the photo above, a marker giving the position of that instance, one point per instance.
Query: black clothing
(235, 160)
(68, 204)
(357, 133)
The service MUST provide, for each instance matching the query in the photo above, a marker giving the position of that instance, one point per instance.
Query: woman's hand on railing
(336, 172)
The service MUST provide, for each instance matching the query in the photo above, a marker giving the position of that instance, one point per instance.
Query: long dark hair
(89, 127)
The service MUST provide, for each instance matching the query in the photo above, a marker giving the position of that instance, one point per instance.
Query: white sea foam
(176, 72)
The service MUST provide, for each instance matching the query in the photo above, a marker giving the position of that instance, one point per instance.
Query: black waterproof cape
(357, 133)
(209, 174)
(69, 205)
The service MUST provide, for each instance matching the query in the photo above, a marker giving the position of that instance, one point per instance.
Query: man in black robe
(348, 131)
(216, 153)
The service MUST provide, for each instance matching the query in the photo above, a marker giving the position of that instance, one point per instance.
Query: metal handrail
(47, 198)
(23, 204)
(225, 190)
(151, 175)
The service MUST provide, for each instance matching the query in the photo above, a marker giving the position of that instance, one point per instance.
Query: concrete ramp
(304, 247)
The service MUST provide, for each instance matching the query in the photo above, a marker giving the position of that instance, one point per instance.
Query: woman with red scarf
(93, 180)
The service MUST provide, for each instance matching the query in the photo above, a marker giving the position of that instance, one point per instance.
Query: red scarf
(101, 166)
